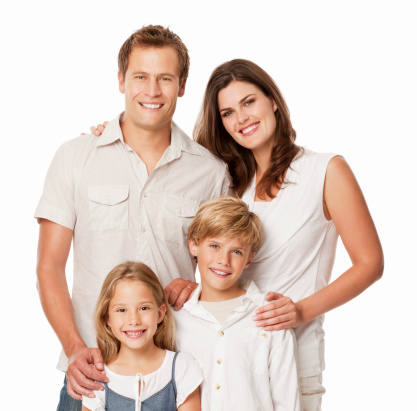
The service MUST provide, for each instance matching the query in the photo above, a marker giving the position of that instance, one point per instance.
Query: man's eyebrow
(240, 102)
(159, 74)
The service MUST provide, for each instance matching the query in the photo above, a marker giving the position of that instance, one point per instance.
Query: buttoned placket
(141, 173)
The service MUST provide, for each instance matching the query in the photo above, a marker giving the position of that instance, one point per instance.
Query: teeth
(151, 105)
(134, 333)
(219, 272)
(246, 130)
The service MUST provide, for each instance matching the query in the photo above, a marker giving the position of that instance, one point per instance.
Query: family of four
(143, 204)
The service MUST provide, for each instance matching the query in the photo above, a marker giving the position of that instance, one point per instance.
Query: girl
(135, 332)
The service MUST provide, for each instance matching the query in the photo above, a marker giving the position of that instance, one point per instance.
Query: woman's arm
(344, 203)
(193, 402)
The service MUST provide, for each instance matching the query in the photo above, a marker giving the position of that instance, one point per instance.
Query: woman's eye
(121, 310)
(227, 114)
(249, 102)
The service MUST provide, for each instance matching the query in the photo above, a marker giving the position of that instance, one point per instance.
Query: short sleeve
(95, 404)
(57, 201)
(188, 376)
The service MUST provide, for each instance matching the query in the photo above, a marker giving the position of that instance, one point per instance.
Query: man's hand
(278, 315)
(179, 291)
(85, 367)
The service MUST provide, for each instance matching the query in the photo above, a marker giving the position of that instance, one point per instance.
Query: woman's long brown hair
(210, 132)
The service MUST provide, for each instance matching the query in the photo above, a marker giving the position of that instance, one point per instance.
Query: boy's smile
(221, 262)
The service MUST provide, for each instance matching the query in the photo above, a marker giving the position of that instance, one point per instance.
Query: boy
(245, 367)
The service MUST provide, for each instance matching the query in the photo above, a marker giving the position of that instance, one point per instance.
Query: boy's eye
(238, 252)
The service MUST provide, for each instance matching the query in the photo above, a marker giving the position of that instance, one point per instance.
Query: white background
(348, 73)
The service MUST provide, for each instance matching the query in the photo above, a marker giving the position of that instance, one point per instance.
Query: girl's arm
(193, 402)
(343, 203)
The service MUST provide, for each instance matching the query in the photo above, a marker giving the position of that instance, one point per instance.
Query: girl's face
(248, 115)
(133, 315)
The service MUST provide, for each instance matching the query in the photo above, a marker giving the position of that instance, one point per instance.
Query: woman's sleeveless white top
(297, 255)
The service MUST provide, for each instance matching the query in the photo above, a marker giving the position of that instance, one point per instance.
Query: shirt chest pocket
(256, 346)
(174, 218)
(109, 208)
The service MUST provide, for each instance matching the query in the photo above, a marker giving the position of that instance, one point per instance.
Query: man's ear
(181, 91)
(250, 260)
(193, 247)
(121, 82)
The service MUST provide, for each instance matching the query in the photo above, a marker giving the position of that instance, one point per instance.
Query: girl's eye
(121, 310)
(144, 308)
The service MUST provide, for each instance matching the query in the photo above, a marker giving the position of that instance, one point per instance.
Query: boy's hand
(278, 315)
(179, 291)
(85, 367)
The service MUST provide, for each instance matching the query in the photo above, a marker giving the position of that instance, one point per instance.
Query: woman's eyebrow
(240, 102)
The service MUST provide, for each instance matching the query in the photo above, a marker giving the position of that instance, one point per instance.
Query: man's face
(151, 87)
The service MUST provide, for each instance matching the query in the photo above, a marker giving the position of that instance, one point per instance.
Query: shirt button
(217, 386)
(221, 333)
(264, 335)
(219, 361)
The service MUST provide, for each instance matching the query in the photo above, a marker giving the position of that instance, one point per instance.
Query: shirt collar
(179, 140)
(252, 294)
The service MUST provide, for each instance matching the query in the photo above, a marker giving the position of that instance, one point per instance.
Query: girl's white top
(188, 376)
(297, 254)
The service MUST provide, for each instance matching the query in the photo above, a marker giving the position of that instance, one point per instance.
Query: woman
(304, 200)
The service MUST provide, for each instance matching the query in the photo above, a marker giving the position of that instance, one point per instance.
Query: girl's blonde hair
(109, 345)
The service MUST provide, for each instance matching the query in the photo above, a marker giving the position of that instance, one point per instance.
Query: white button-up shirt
(100, 188)
(245, 367)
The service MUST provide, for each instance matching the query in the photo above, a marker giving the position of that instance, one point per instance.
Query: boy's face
(151, 87)
(221, 262)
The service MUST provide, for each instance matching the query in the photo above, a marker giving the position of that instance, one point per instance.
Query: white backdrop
(348, 72)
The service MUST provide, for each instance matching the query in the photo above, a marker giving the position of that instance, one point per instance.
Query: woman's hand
(280, 314)
(98, 131)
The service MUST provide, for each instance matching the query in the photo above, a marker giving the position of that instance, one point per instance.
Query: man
(129, 195)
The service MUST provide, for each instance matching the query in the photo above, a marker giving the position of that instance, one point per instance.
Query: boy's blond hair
(155, 36)
(109, 345)
(226, 217)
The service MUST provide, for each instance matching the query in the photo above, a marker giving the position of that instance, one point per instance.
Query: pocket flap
(108, 195)
(180, 207)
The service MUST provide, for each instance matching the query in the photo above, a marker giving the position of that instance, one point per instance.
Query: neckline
(107, 369)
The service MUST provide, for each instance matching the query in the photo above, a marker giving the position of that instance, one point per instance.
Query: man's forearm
(57, 305)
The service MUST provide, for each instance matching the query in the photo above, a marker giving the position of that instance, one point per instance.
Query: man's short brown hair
(155, 36)
(226, 217)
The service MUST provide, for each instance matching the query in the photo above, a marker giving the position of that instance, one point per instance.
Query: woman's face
(248, 115)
